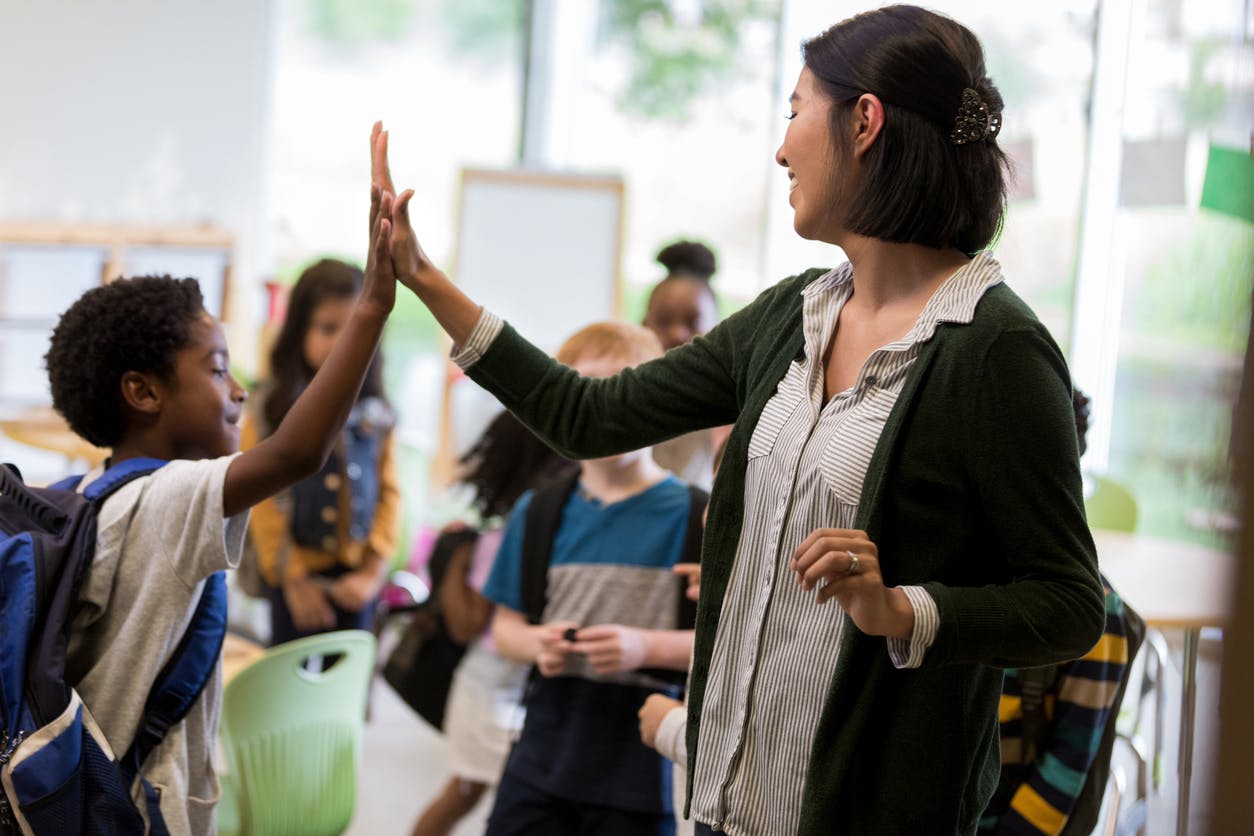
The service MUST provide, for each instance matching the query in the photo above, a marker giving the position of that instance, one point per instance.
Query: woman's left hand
(844, 564)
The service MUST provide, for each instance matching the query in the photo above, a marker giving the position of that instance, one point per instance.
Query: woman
(899, 512)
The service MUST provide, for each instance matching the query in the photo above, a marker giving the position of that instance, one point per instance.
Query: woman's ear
(141, 392)
(867, 122)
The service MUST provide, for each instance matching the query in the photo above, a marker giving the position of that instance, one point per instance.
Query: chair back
(291, 728)
(1110, 506)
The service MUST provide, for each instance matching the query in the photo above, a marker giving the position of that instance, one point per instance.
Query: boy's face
(202, 405)
(608, 366)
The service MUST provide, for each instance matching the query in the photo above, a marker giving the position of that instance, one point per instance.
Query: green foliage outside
(1199, 294)
(489, 31)
(673, 61)
(1173, 419)
(355, 22)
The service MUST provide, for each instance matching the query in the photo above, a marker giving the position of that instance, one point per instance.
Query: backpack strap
(1033, 683)
(686, 619)
(192, 664)
(184, 675)
(543, 516)
(116, 476)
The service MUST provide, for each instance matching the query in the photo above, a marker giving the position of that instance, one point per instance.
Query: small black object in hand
(570, 634)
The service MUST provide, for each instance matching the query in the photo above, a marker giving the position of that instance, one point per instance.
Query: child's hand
(651, 714)
(307, 603)
(844, 564)
(356, 590)
(612, 648)
(554, 647)
(691, 571)
(379, 285)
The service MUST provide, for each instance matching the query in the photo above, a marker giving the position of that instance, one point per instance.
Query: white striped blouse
(776, 648)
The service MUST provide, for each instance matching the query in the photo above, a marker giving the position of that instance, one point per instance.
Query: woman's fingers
(379, 173)
(834, 554)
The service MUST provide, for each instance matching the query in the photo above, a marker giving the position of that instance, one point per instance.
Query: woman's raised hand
(455, 312)
(408, 259)
(844, 564)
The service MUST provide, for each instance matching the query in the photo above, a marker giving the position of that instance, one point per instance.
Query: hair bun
(691, 258)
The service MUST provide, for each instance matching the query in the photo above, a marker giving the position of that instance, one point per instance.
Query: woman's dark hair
(917, 185)
(1082, 407)
(505, 462)
(126, 325)
(289, 372)
(688, 258)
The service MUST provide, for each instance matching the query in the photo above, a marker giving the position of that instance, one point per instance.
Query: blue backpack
(56, 768)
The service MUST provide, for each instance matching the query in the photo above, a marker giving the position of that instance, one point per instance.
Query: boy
(137, 365)
(611, 609)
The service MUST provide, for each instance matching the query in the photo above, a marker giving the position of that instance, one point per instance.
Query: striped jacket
(1037, 797)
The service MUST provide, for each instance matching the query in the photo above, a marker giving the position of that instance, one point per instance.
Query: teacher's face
(807, 153)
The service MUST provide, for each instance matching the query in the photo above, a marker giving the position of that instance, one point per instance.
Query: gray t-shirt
(158, 538)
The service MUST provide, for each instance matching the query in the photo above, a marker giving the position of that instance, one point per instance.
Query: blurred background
(229, 141)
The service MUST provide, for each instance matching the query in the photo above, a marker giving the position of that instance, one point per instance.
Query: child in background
(610, 611)
(682, 306)
(324, 546)
(483, 713)
(138, 366)
(664, 719)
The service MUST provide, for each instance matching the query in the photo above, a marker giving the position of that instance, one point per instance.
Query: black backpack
(543, 517)
(421, 666)
(57, 776)
(1034, 683)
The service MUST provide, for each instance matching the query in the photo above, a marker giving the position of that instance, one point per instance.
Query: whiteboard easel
(540, 249)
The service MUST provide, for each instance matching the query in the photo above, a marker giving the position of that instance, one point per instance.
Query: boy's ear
(141, 392)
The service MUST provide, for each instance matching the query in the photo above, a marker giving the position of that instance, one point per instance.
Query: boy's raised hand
(379, 285)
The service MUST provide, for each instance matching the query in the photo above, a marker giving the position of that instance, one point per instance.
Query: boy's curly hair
(125, 325)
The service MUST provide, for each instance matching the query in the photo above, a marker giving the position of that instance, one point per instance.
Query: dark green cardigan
(973, 492)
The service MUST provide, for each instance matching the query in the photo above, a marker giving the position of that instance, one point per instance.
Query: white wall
(145, 112)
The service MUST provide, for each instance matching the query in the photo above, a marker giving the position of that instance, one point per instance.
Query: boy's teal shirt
(973, 492)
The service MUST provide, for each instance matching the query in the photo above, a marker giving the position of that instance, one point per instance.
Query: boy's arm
(304, 439)
(614, 648)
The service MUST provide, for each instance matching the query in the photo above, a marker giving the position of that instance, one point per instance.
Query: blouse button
(332, 481)
(354, 470)
(329, 514)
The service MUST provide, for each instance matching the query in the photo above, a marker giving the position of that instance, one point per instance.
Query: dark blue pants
(522, 810)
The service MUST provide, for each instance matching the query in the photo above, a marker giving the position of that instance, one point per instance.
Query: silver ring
(853, 563)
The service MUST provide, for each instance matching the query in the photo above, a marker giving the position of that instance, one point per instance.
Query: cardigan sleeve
(1024, 466)
(691, 387)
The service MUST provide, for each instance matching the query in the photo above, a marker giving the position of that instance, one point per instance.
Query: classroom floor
(403, 764)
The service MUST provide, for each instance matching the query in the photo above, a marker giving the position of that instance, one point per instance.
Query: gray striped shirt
(776, 649)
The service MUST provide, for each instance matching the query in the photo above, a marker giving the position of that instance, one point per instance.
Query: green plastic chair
(1110, 506)
(292, 735)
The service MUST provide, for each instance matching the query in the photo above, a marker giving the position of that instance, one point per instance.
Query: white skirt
(484, 714)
